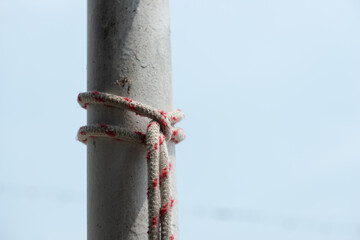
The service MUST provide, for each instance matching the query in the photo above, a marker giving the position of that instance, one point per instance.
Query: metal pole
(128, 55)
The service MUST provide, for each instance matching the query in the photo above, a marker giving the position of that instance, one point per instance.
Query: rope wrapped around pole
(159, 131)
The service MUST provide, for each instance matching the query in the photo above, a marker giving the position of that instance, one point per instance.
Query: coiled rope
(159, 131)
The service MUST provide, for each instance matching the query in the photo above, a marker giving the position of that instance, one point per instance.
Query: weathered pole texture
(128, 55)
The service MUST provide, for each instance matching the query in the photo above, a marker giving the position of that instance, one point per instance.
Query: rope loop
(159, 131)
(166, 120)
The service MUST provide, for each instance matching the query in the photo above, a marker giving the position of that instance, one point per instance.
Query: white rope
(159, 131)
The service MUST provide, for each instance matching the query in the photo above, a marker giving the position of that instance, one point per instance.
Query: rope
(159, 131)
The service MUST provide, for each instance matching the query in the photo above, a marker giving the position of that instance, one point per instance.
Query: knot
(160, 128)
(166, 120)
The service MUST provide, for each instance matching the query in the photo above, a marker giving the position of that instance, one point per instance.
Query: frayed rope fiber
(159, 131)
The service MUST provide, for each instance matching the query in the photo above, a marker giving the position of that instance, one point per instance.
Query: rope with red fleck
(159, 131)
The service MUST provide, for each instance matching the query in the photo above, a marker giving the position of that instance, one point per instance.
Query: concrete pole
(128, 55)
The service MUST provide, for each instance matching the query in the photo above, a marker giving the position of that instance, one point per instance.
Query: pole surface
(128, 55)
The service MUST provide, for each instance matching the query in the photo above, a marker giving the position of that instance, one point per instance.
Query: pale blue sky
(271, 91)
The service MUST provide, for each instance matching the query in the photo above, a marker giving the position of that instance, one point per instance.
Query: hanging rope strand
(153, 163)
(159, 131)
(165, 184)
